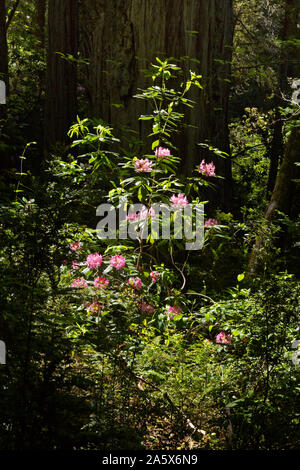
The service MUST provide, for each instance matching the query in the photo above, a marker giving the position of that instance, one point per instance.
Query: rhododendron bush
(139, 339)
(135, 309)
(128, 279)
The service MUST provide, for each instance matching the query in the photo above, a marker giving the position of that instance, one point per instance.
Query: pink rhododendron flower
(207, 169)
(118, 261)
(142, 214)
(95, 307)
(101, 282)
(179, 201)
(75, 246)
(132, 217)
(94, 260)
(147, 212)
(135, 282)
(154, 276)
(75, 265)
(162, 152)
(210, 222)
(80, 283)
(147, 308)
(223, 338)
(174, 310)
(143, 166)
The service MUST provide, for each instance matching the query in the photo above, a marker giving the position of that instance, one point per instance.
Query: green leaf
(140, 195)
(156, 128)
(177, 317)
(146, 117)
(233, 403)
(155, 144)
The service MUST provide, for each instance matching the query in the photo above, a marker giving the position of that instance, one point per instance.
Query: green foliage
(124, 365)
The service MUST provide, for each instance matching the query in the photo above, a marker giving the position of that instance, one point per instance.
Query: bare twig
(201, 295)
(12, 14)
(140, 380)
(178, 269)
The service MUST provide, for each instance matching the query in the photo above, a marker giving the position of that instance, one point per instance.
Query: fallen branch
(140, 380)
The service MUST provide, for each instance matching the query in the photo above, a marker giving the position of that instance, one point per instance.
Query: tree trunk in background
(288, 67)
(3, 54)
(61, 79)
(281, 196)
(291, 31)
(4, 158)
(40, 18)
(123, 37)
(276, 150)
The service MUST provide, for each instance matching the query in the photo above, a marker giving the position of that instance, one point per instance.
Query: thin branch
(250, 147)
(251, 35)
(202, 295)
(178, 269)
(12, 14)
(139, 379)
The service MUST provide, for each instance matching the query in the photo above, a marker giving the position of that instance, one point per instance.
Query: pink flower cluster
(162, 152)
(132, 217)
(75, 265)
(75, 246)
(147, 308)
(135, 282)
(154, 276)
(147, 212)
(117, 261)
(210, 223)
(144, 212)
(179, 201)
(95, 307)
(223, 338)
(207, 169)
(94, 260)
(174, 310)
(143, 166)
(80, 283)
(101, 282)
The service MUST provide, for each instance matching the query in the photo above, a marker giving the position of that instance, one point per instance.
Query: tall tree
(3, 53)
(122, 38)
(40, 17)
(280, 199)
(288, 67)
(61, 75)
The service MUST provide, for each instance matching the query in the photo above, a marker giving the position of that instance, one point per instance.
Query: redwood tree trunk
(288, 67)
(4, 159)
(3, 54)
(121, 38)
(281, 197)
(40, 17)
(276, 151)
(61, 74)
